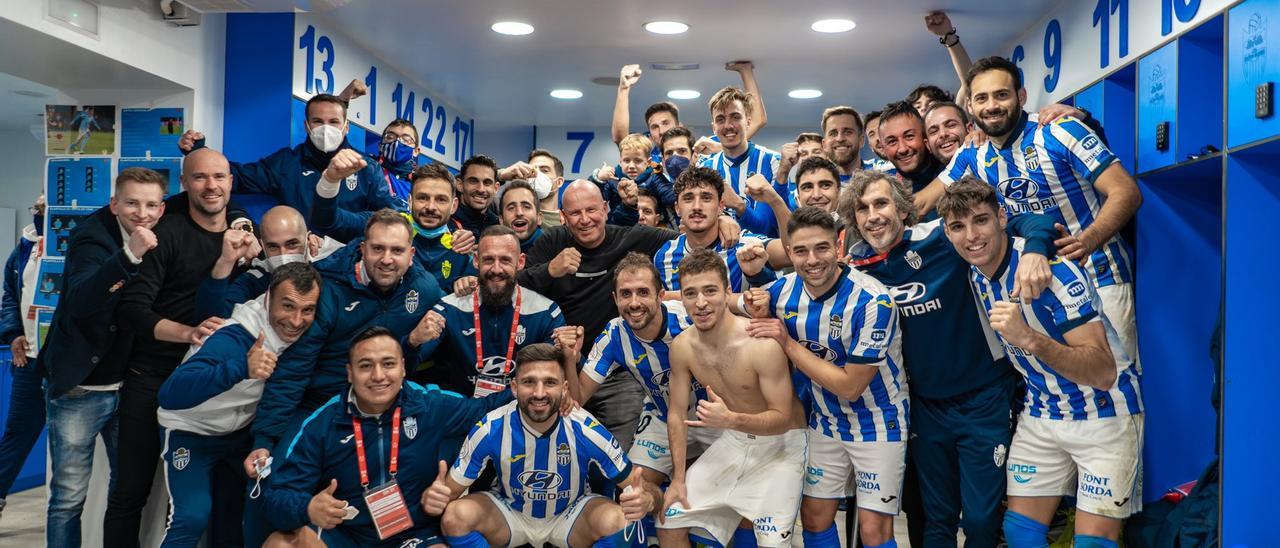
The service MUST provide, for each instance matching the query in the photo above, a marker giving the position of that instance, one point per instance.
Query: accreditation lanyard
(511, 343)
(395, 448)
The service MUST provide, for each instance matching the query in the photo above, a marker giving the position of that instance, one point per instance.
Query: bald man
(573, 265)
(159, 303)
(283, 238)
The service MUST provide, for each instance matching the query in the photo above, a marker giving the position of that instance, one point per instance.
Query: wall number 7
(586, 137)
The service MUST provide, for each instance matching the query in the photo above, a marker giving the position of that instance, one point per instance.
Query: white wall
(193, 57)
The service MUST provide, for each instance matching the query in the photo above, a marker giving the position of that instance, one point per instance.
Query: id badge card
(386, 507)
(488, 385)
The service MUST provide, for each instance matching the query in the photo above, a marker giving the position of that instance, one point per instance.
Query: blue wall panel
(1179, 231)
(1253, 57)
(1250, 440)
(257, 84)
(1157, 102)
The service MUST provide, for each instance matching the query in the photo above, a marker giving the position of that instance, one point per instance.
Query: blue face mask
(675, 165)
(396, 153)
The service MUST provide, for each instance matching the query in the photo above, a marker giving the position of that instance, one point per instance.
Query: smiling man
(207, 404)
(754, 470)
(542, 460)
(740, 159)
(502, 316)
(946, 126)
(356, 474)
(840, 329)
(86, 353)
(476, 187)
(961, 384)
(1080, 431)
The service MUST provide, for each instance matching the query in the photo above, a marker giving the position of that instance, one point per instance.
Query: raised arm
(621, 126)
(759, 117)
(939, 24)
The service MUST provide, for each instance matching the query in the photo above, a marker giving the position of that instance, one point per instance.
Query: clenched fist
(345, 163)
(566, 263)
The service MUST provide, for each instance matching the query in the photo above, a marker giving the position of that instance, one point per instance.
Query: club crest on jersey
(836, 323)
(446, 267)
(181, 458)
(411, 301)
(998, 455)
(519, 334)
(410, 427)
(1031, 159)
(352, 181)
(913, 259)
(562, 454)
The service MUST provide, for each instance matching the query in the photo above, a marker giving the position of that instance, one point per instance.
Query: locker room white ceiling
(505, 80)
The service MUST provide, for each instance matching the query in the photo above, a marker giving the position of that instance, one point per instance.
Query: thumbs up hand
(439, 495)
(262, 362)
(325, 511)
(713, 412)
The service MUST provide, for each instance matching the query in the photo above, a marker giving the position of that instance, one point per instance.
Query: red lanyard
(395, 448)
(511, 344)
(871, 260)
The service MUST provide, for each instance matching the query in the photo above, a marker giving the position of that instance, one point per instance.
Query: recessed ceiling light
(683, 94)
(833, 25)
(566, 94)
(666, 27)
(804, 94)
(512, 28)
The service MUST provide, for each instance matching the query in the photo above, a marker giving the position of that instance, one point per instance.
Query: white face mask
(327, 138)
(280, 260)
(541, 184)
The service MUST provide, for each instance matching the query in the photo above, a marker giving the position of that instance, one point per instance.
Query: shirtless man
(755, 469)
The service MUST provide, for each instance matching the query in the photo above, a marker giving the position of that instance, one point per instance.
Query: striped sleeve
(961, 163)
(603, 450)
(1070, 299)
(480, 447)
(874, 323)
(605, 354)
(1074, 140)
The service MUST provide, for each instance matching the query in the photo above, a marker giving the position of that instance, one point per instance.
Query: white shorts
(528, 530)
(745, 476)
(650, 448)
(1097, 460)
(1117, 307)
(876, 468)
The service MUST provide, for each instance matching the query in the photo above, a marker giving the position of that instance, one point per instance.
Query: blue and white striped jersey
(855, 323)
(1069, 302)
(758, 217)
(1051, 170)
(668, 257)
(539, 475)
(619, 346)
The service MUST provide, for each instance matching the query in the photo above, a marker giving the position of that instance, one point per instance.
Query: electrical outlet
(1162, 136)
(1262, 99)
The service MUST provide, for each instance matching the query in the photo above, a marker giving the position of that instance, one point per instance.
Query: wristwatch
(949, 39)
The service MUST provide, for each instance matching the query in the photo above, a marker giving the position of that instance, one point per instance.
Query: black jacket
(84, 337)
